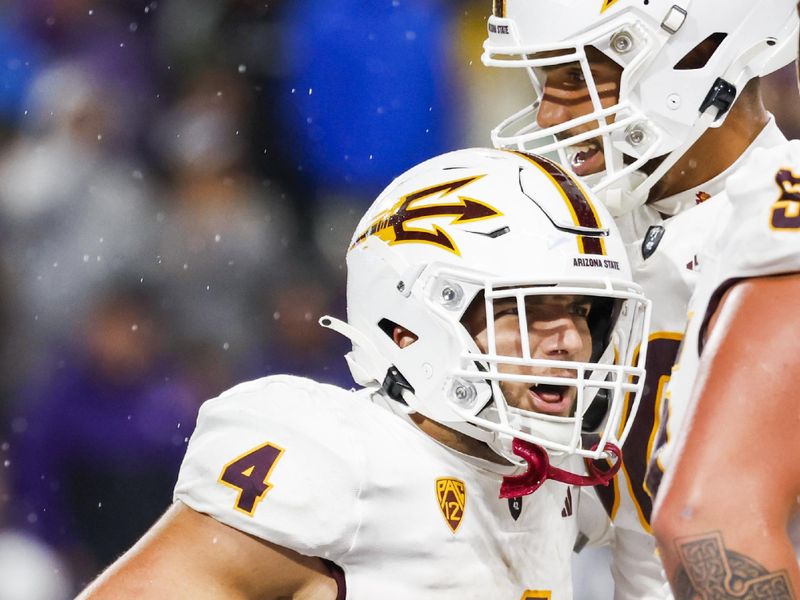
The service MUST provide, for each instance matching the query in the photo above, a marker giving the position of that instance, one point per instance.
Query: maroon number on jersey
(786, 210)
(249, 474)
(662, 352)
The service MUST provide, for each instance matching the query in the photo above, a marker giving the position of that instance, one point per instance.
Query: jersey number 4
(249, 475)
(536, 595)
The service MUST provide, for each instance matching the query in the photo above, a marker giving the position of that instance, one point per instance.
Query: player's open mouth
(551, 399)
(587, 157)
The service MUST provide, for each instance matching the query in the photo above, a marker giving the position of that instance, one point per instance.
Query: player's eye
(580, 309)
(506, 310)
(576, 76)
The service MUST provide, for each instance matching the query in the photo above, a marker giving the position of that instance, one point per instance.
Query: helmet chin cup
(540, 470)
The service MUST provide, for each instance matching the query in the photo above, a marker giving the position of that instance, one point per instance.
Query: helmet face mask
(468, 230)
(665, 103)
(532, 395)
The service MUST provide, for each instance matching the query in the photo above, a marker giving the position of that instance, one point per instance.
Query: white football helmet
(664, 105)
(481, 225)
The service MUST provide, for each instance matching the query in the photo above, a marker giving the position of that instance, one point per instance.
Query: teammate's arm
(190, 555)
(722, 511)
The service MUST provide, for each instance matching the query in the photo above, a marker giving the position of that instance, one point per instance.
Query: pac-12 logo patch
(452, 497)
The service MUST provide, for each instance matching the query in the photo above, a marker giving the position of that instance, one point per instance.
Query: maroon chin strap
(540, 470)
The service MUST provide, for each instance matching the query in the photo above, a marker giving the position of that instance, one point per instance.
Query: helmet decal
(607, 4)
(581, 208)
(392, 226)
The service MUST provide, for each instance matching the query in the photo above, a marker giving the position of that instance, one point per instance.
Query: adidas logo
(567, 510)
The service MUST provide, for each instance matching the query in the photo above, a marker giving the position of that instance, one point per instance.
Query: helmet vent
(698, 57)
(387, 326)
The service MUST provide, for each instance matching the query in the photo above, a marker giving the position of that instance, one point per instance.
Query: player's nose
(552, 111)
(559, 338)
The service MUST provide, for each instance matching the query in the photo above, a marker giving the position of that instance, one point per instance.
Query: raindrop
(133, 27)
(226, 346)
(217, 238)
(6, 463)
(135, 327)
(242, 68)
(86, 258)
(276, 315)
(310, 91)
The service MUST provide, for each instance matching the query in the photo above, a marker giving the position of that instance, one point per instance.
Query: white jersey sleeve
(273, 459)
(763, 237)
(760, 237)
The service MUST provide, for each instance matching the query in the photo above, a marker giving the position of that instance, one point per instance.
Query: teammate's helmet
(474, 226)
(665, 102)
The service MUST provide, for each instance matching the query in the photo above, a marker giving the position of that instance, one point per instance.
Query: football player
(489, 303)
(655, 104)
(729, 497)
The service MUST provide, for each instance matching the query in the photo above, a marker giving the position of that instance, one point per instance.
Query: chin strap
(540, 470)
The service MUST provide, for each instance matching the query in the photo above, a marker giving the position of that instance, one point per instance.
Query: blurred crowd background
(179, 180)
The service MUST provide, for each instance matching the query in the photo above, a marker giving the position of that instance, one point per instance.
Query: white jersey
(334, 474)
(664, 261)
(759, 235)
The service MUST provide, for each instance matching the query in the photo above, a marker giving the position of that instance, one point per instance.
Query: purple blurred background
(178, 184)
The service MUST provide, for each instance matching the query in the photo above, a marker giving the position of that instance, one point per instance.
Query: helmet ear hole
(698, 57)
(402, 336)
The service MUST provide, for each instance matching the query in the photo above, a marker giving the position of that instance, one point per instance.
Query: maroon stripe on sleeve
(337, 574)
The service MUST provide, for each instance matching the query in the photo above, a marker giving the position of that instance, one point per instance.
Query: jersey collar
(770, 136)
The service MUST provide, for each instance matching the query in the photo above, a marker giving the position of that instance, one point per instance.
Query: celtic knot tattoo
(711, 572)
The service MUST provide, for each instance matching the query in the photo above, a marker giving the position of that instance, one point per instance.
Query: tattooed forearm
(709, 571)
